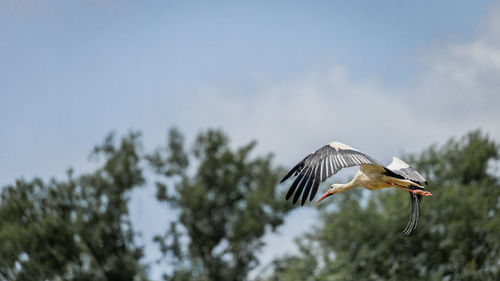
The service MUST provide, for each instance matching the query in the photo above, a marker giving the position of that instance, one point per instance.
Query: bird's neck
(347, 186)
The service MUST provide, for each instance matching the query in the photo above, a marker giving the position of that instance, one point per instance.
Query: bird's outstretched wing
(405, 171)
(321, 164)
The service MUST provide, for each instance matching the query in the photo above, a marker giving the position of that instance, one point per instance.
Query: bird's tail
(415, 186)
(407, 183)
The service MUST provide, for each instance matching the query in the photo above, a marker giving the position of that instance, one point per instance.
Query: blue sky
(74, 70)
(383, 76)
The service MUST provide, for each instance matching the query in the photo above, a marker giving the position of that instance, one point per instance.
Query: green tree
(75, 229)
(458, 237)
(225, 202)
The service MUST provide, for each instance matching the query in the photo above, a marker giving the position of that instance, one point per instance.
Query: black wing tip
(288, 175)
(297, 195)
(296, 198)
(314, 191)
(296, 169)
(305, 180)
(293, 187)
(307, 189)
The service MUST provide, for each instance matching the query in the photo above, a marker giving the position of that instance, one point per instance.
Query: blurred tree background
(77, 229)
(226, 199)
(223, 209)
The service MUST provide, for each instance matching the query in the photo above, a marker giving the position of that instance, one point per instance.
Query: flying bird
(329, 159)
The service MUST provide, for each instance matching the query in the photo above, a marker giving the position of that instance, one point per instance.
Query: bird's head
(334, 188)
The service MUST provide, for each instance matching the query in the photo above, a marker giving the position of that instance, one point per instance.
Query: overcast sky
(383, 76)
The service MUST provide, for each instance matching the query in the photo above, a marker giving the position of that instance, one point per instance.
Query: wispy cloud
(456, 91)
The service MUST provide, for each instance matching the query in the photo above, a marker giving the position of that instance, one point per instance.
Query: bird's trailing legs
(414, 191)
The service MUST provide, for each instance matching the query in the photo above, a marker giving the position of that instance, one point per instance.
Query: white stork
(329, 159)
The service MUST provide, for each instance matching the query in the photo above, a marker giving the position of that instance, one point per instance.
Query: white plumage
(329, 159)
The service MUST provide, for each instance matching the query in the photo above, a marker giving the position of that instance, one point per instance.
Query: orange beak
(328, 193)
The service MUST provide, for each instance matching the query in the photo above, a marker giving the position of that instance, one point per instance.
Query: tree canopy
(74, 229)
(225, 200)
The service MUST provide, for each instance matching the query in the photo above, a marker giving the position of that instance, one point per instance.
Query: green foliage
(225, 203)
(225, 200)
(457, 237)
(76, 229)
